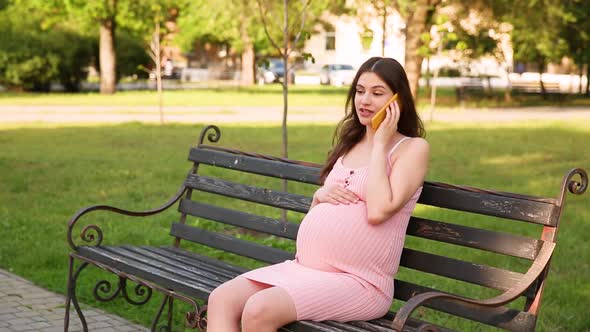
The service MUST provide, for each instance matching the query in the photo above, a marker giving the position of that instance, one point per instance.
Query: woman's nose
(365, 99)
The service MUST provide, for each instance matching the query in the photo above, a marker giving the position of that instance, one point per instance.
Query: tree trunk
(541, 64)
(247, 77)
(587, 80)
(417, 24)
(384, 27)
(285, 97)
(107, 57)
(248, 64)
(158, 60)
(581, 72)
(507, 89)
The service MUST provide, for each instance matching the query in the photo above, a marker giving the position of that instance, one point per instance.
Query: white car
(337, 74)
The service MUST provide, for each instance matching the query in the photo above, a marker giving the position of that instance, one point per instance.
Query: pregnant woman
(349, 243)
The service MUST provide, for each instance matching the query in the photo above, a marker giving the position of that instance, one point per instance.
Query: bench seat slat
(133, 258)
(502, 243)
(230, 244)
(241, 219)
(277, 169)
(489, 204)
(146, 272)
(135, 261)
(502, 316)
(179, 267)
(180, 256)
(477, 274)
(269, 197)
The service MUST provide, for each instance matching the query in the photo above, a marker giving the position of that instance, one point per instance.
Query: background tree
(536, 36)
(292, 31)
(418, 15)
(238, 24)
(110, 16)
(224, 21)
(576, 33)
(33, 54)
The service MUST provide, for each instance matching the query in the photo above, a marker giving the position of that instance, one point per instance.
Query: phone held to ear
(380, 115)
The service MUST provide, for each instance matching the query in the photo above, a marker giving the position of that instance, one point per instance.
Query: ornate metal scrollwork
(140, 291)
(573, 186)
(427, 328)
(105, 287)
(197, 319)
(212, 137)
(87, 234)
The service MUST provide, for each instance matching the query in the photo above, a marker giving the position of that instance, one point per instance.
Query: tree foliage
(32, 56)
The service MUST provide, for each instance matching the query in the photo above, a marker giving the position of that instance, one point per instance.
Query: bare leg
(226, 303)
(268, 310)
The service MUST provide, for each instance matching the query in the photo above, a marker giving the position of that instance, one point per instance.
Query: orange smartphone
(380, 116)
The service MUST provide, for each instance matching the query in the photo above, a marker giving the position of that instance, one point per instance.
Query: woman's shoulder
(419, 143)
(413, 146)
(414, 143)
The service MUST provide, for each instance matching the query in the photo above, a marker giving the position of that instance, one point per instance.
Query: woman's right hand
(335, 194)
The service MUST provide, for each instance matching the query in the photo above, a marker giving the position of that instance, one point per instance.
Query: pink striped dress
(343, 268)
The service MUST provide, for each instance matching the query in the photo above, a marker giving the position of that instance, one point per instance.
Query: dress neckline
(350, 168)
(366, 166)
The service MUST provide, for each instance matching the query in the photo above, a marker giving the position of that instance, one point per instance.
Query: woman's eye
(359, 91)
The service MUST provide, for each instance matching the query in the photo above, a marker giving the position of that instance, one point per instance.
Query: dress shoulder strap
(393, 149)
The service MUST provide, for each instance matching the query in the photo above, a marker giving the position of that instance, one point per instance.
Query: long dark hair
(350, 131)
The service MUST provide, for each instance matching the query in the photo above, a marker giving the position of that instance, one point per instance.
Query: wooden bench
(469, 88)
(534, 87)
(181, 272)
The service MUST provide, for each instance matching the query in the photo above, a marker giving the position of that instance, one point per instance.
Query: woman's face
(371, 94)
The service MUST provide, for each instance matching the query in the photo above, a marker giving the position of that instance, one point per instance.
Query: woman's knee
(268, 309)
(233, 293)
(257, 313)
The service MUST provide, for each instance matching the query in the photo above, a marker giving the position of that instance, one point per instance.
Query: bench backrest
(431, 258)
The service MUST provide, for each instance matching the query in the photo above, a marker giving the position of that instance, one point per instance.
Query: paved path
(26, 307)
(64, 115)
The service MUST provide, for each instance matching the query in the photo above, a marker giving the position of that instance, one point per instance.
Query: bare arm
(386, 195)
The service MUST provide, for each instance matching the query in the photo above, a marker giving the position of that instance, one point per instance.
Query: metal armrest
(539, 264)
(90, 237)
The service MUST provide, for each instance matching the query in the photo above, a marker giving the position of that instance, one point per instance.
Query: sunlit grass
(47, 174)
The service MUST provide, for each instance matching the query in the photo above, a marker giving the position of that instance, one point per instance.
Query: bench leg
(167, 300)
(71, 295)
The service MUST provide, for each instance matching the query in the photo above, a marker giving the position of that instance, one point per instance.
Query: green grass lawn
(269, 95)
(48, 174)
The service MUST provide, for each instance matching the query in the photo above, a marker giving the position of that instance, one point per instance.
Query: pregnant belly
(338, 238)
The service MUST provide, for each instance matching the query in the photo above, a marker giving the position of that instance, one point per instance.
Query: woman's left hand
(388, 127)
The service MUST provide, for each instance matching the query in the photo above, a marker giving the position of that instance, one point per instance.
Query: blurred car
(271, 71)
(337, 74)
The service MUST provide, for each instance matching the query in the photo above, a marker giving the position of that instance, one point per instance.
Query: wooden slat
(497, 205)
(278, 169)
(241, 219)
(490, 204)
(264, 196)
(134, 258)
(502, 316)
(146, 272)
(181, 256)
(230, 244)
(477, 274)
(171, 265)
(502, 243)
